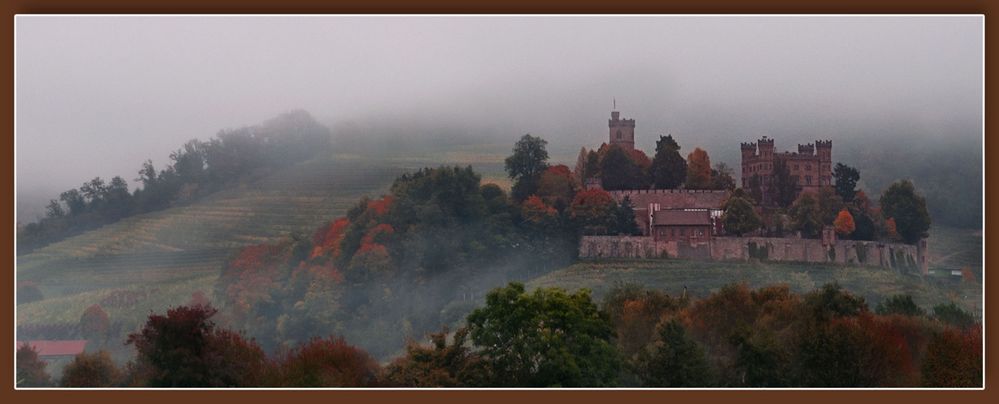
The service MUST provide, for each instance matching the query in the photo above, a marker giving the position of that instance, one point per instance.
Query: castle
(667, 214)
(686, 223)
(810, 167)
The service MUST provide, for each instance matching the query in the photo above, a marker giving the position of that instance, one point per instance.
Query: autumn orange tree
(593, 210)
(557, 186)
(698, 170)
(844, 223)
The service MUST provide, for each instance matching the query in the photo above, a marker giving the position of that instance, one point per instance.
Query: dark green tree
(54, 209)
(525, 165)
(592, 165)
(846, 181)
(545, 338)
(832, 301)
(901, 202)
(740, 217)
(784, 187)
(625, 218)
(806, 215)
(669, 169)
(899, 304)
(676, 360)
(619, 171)
(953, 315)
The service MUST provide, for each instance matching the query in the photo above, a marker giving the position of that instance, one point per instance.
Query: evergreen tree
(676, 361)
(901, 202)
(669, 169)
(806, 215)
(846, 181)
(625, 214)
(784, 186)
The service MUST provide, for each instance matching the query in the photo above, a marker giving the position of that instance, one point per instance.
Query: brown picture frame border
(14, 7)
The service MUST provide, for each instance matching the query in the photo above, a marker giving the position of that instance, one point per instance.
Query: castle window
(808, 167)
(618, 135)
(808, 180)
(795, 166)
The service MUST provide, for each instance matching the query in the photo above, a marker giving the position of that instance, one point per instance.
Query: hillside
(949, 248)
(166, 256)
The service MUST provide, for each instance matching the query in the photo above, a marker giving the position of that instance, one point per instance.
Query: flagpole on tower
(615, 103)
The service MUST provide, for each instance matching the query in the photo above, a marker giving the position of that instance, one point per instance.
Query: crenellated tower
(622, 131)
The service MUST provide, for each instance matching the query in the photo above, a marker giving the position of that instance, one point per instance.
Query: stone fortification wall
(901, 257)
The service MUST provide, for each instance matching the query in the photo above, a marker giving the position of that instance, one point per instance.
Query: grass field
(701, 278)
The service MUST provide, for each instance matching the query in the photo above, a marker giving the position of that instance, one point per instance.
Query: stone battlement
(900, 257)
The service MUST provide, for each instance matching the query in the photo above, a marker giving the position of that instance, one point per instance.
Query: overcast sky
(98, 95)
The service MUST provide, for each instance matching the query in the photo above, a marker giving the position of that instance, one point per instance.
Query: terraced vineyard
(166, 256)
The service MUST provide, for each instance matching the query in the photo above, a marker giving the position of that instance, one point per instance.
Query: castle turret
(766, 147)
(748, 150)
(622, 131)
(806, 149)
(824, 150)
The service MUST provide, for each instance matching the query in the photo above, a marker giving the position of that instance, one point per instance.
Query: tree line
(197, 169)
(617, 168)
(548, 337)
(899, 214)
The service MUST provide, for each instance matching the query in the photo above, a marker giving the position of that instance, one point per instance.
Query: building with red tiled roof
(692, 226)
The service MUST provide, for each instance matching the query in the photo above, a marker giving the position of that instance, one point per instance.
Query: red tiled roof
(57, 348)
(681, 218)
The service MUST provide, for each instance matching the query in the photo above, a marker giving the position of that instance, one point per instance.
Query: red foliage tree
(954, 358)
(557, 186)
(381, 206)
(536, 211)
(185, 349)
(594, 210)
(252, 276)
(329, 362)
(326, 240)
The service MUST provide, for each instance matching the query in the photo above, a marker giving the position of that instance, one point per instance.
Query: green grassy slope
(702, 278)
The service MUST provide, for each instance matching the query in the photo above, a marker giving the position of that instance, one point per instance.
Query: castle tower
(748, 151)
(824, 150)
(622, 131)
(766, 147)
